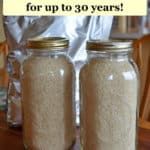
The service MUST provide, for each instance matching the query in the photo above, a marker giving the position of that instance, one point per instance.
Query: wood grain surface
(11, 139)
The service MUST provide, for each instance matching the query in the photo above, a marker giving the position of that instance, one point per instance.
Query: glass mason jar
(14, 113)
(109, 97)
(47, 91)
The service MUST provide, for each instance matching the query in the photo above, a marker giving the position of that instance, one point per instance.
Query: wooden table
(11, 139)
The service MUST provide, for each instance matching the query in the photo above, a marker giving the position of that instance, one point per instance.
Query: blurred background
(136, 28)
(2, 36)
(3, 73)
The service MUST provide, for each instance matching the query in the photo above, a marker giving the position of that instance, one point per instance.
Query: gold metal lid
(50, 43)
(109, 45)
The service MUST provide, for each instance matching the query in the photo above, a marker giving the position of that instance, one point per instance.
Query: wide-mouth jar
(109, 96)
(47, 94)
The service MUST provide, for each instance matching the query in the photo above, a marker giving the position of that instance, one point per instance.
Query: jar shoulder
(110, 69)
(61, 64)
(57, 59)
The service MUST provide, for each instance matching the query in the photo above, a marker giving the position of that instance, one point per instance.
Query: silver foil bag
(78, 29)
